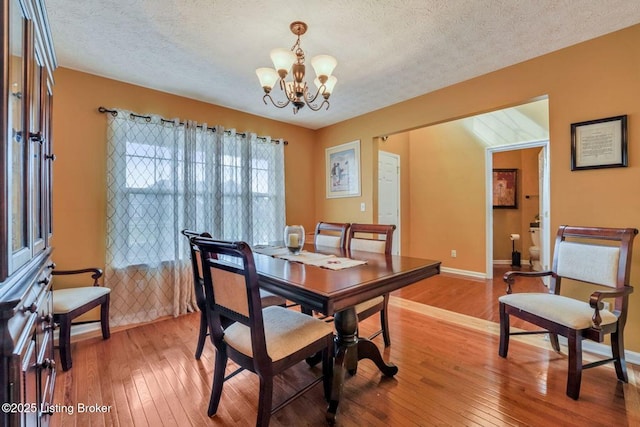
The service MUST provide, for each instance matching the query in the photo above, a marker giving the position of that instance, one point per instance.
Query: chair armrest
(595, 301)
(97, 273)
(509, 276)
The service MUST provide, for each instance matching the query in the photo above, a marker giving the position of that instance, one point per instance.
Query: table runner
(331, 262)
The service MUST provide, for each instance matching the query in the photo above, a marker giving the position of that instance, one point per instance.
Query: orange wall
(79, 138)
(595, 79)
(447, 196)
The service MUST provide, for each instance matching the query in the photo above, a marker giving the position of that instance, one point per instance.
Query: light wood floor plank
(445, 346)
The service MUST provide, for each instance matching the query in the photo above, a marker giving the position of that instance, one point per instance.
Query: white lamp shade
(328, 86)
(283, 59)
(323, 65)
(267, 76)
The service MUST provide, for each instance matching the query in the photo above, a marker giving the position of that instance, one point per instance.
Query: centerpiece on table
(294, 238)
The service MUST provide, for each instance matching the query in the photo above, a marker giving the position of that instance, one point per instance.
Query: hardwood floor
(449, 374)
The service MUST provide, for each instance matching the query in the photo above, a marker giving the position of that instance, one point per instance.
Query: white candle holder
(294, 238)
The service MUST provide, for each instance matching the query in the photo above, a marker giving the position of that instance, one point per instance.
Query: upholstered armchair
(588, 257)
(70, 303)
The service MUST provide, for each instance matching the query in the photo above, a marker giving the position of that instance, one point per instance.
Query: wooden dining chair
(70, 303)
(592, 258)
(267, 298)
(331, 234)
(373, 238)
(266, 341)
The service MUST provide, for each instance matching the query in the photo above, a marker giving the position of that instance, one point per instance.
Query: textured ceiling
(387, 51)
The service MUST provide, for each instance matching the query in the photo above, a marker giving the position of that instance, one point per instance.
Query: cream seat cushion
(559, 309)
(369, 303)
(286, 331)
(66, 300)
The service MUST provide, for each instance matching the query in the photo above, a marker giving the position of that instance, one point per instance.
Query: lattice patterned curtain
(163, 177)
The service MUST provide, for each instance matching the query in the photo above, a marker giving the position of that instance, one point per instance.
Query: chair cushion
(559, 309)
(363, 306)
(66, 300)
(589, 263)
(327, 240)
(268, 299)
(368, 245)
(286, 331)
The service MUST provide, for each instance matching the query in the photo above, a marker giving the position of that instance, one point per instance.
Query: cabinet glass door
(36, 140)
(49, 158)
(18, 143)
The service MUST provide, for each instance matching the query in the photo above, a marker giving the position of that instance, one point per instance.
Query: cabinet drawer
(29, 396)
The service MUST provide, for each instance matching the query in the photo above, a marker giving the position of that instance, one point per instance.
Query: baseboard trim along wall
(468, 273)
(486, 326)
(523, 262)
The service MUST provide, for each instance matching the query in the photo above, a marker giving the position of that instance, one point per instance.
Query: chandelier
(296, 91)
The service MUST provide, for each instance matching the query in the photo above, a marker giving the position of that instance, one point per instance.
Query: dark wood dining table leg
(350, 349)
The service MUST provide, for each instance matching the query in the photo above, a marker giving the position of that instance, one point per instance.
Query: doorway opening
(534, 197)
(445, 203)
(520, 138)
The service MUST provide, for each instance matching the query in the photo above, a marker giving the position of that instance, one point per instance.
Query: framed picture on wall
(505, 188)
(599, 143)
(343, 170)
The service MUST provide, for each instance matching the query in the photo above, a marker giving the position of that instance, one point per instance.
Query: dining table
(335, 292)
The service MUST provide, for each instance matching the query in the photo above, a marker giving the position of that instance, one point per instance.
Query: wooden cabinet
(27, 368)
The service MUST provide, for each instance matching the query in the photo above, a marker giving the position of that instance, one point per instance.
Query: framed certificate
(599, 143)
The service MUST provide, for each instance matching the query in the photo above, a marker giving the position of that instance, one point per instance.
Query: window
(163, 177)
(177, 177)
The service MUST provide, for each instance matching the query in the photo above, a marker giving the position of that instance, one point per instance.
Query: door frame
(545, 201)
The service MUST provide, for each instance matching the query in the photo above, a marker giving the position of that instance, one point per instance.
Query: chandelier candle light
(297, 91)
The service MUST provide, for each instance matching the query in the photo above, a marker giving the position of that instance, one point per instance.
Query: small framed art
(505, 188)
(343, 170)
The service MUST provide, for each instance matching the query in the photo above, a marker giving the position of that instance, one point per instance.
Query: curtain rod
(114, 113)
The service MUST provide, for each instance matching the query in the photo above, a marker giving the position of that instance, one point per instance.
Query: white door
(389, 194)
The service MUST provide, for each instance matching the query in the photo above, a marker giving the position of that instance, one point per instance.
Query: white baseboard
(487, 326)
(468, 273)
(89, 330)
(82, 332)
(604, 350)
(590, 346)
(524, 262)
